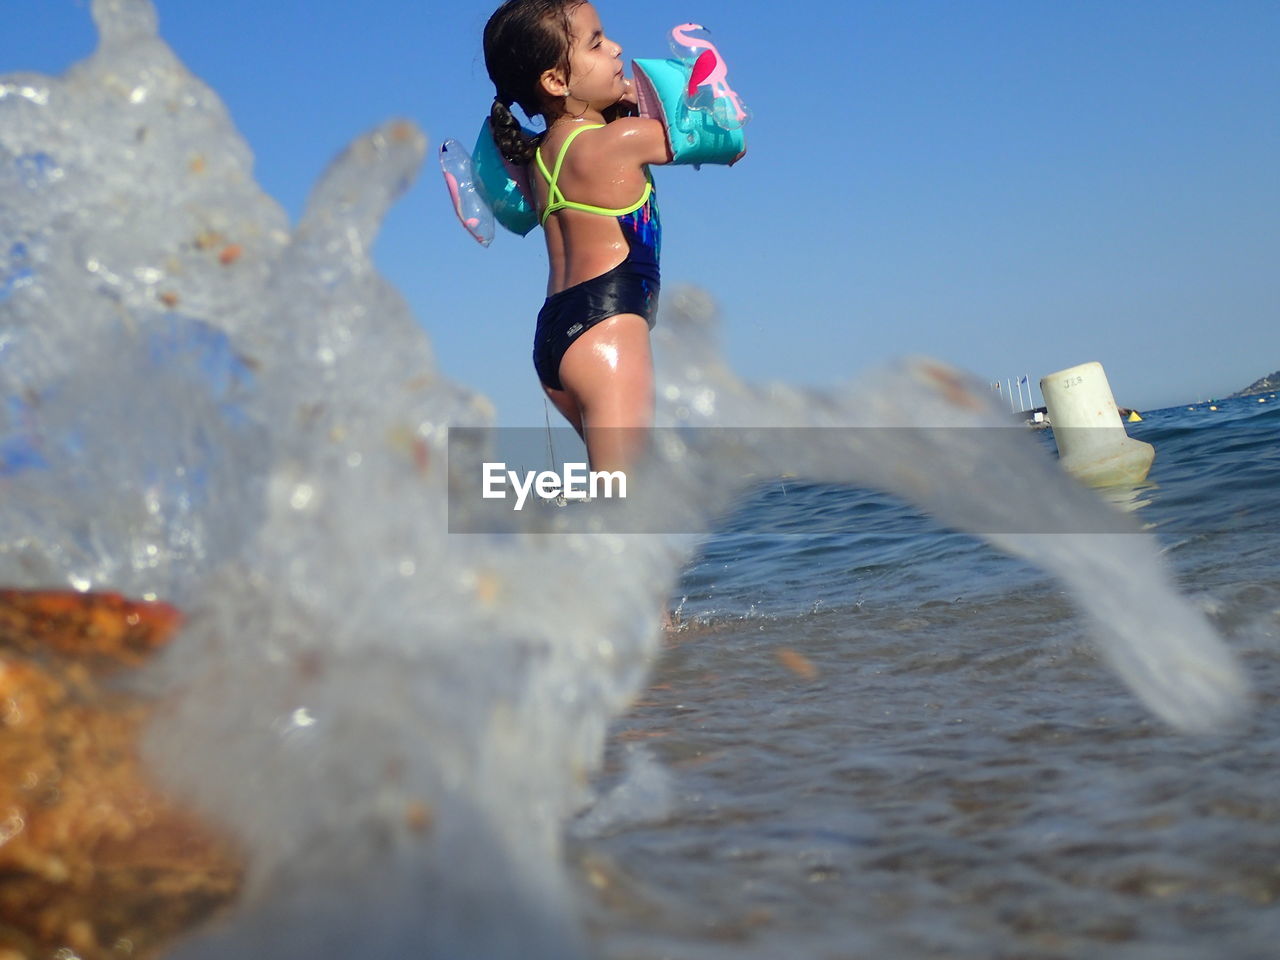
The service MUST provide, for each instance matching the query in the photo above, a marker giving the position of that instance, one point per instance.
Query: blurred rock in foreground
(94, 861)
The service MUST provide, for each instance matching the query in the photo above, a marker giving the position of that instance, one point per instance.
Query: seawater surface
(898, 742)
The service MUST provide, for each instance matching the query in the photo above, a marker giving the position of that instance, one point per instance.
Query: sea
(921, 694)
(899, 742)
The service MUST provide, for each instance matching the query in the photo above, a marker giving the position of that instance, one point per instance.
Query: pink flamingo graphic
(709, 70)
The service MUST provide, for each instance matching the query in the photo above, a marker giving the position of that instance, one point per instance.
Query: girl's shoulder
(637, 139)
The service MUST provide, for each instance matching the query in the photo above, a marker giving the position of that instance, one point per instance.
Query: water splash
(246, 420)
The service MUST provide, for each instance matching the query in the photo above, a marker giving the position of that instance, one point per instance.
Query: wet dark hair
(522, 40)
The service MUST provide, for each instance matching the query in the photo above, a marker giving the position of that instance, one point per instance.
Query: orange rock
(92, 853)
(104, 625)
(418, 816)
(797, 663)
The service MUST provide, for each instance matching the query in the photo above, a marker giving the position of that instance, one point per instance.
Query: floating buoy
(1133, 417)
(1092, 444)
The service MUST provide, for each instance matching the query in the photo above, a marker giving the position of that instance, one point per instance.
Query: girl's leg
(567, 406)
(608, 394)
(608, 377)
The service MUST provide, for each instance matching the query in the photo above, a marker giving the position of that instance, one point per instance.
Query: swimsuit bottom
(627, 288)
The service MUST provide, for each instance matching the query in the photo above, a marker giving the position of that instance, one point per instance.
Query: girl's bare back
(600, 169)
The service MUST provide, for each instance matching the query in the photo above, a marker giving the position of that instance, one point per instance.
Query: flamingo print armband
(690, 94)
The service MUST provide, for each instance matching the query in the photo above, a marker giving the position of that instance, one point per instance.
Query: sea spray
(931, 435)
(206, 406)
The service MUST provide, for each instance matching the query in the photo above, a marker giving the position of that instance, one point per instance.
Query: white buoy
(1092, 444)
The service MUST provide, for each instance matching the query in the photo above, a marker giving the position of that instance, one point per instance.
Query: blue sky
(1014, 186)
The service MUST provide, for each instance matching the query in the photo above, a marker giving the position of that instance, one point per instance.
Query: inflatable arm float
(688, 94)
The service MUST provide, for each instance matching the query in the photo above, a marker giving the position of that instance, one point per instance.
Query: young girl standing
(595, 199)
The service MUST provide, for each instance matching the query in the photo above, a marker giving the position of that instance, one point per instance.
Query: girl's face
(595, 65)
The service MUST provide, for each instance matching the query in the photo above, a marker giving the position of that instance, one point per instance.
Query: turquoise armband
(503, 187)
(690, 95)
(694, 135)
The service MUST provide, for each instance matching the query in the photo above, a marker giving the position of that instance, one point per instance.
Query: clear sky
(1013, 186)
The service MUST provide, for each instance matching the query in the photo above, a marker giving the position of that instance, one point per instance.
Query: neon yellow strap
(556, 199)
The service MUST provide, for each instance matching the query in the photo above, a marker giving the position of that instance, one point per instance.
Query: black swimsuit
(630, 287)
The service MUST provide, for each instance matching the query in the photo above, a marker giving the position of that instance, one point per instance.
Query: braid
(509, 135)
(522, 40)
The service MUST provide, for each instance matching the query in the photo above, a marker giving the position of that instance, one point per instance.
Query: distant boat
(1036, 418)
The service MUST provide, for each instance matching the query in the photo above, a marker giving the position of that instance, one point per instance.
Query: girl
(589, 176)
